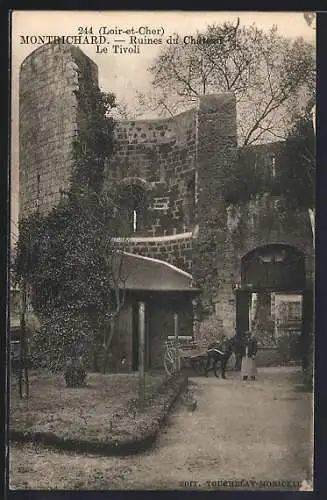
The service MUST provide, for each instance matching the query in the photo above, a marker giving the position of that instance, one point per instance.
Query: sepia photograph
(162, 251)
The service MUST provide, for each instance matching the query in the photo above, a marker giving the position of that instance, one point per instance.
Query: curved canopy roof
(136, 272)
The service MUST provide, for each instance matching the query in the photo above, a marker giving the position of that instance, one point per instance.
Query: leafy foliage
(244, 182)
(67, 257)
(295, 168)
(68, 264)
(63, 334)
(298, 163)
(95, 142)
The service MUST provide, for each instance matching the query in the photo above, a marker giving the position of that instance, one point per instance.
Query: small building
(166, 293)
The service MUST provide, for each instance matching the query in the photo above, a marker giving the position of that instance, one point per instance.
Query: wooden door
(135, 339)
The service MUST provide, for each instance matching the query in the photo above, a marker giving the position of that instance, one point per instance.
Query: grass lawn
(254, 431)
(105, 409)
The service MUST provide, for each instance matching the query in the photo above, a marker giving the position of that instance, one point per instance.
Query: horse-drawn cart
(195, 356)
(181, 354)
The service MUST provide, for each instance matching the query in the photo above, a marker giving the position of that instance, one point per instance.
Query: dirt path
(250, 431)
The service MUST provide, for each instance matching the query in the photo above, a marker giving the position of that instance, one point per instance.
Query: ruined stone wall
(48, 113)
(162, 153)
(259, 222)
(228, 232)
(197, 148)
(216, 156)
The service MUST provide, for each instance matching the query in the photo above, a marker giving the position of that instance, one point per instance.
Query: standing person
(248, 368)
(238, 350)
(227, 351)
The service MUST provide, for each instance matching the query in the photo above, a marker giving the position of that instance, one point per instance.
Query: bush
(63, 335)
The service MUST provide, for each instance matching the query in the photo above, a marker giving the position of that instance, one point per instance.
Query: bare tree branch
(268, 73)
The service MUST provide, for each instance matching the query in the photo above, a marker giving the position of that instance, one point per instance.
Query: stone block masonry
(227, 232)
(48, 111)
(217, 145)
(262, 221)
(161, 152)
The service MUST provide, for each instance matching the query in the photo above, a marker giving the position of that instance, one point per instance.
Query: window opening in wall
(288, 314)
(134, 221)
(133, 201)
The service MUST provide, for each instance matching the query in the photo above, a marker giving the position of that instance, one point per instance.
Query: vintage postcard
(162, 250)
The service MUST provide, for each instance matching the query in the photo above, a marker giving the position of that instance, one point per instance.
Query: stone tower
(48, 113)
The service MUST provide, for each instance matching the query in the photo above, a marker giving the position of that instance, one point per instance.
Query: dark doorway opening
(273, 301)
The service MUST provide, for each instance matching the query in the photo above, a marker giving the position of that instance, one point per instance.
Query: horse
(219, 352)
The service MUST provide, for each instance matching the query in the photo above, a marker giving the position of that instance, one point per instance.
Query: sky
(123, 74)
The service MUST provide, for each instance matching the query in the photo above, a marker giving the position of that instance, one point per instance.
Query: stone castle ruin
(244, 255)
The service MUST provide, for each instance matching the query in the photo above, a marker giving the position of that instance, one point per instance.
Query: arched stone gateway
(273, 267)
(274, 303)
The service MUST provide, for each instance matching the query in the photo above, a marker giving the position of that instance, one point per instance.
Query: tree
(269, 74)
(298, 165)
(20, 275)
(69, 258)
(297, 182)
(75, 273)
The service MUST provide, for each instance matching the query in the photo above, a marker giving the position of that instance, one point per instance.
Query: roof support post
(141, 319)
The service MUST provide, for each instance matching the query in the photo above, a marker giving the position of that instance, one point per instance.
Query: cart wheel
(169, 363)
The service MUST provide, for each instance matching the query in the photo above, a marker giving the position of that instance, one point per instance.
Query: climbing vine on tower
(66, 257)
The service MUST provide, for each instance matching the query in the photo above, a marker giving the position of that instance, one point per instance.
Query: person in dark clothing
(238, 349)
(249, 351)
